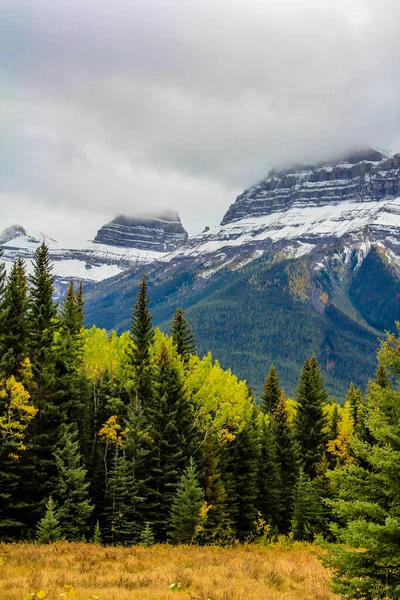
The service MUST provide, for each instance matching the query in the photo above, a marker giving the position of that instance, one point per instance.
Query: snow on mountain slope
(88, 261)
(356, 200)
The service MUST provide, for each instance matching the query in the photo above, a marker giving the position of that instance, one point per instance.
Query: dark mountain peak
(160, 232)
(362, 175)
(352, 158)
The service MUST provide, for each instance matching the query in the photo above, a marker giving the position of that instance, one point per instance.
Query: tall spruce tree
(48, 529)
(182, 335)
(70, 487)
(288, 461)
(271, 393)
(365, 559)
(172, 429)
(46, 393)
(42, 316)
(186, 508)
(239, 469)
(14, 321)
(356, 408)
(381, 377)
(307, 510)
(310, 421)
(69, 358)
(218, 527)
(2, 307)
(121, 526)
(333, 433)
(142, 336)
(268, 475)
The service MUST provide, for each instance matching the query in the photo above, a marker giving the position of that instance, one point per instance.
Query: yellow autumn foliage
(18, 413)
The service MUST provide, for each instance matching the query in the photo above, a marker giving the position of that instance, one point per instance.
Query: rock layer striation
(159, 233)
(363, 177)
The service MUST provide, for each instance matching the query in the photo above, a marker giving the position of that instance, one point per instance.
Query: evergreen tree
(287, 459)
(121, 524)
(268, 475)
(96, 538)
(334, 432)
(142, 336)
(381, 377)
(172, 430)
(16, 411)
(2, 306)
(186, 508)
(307, 510)
(182, 335)
(14, 321)
(71, 488)
(48, 529)
(47, 394)
(42, 316)
(271, 393)
(365, 559)
(218, 527)
(310, 421)
(147, 536)
(239, 469)
(68, 351)
(355, 402)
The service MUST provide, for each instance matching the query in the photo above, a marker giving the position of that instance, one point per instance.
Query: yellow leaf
(41, 594)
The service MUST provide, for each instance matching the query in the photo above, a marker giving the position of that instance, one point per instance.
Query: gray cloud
(124, 106)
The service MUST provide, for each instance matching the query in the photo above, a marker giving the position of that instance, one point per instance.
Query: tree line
(135, 439)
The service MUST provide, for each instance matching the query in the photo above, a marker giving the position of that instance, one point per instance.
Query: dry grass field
(240, 573)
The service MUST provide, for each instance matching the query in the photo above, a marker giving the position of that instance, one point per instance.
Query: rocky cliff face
(159, 233)
(365, 176)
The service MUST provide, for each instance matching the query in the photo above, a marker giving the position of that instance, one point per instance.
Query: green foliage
(271, 393)
(147, 536)
(173, 434)
(355, 401)
(186, 516)
(247, 340)
(268, 483)
(42, 314)
(182, 335)
(240, 471)
(380, 310)
(287, 460)
(71, 488)
(310, 420)
(48, 529)
(121, 502)
(14, 321)
(142, 336)
(307, 510)
(97, 537)
(365, 559)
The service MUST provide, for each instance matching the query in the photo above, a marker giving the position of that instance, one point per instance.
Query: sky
(131, 106)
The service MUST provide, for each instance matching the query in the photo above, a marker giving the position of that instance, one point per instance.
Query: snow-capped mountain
(306, 261)
(121, 245)
(314, 250)
(356, 200)
(160, 233)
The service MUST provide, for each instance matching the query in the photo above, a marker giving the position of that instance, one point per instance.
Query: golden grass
(240, 573)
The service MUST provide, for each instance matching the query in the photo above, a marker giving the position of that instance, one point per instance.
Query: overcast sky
(124, 106)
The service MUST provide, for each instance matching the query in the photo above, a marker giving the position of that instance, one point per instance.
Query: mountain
(161, 233)
(307, 260)
(119, 246)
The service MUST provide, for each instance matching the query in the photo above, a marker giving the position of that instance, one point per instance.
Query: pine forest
(133, 439)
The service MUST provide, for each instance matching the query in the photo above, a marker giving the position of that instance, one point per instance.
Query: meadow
(161, 572)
